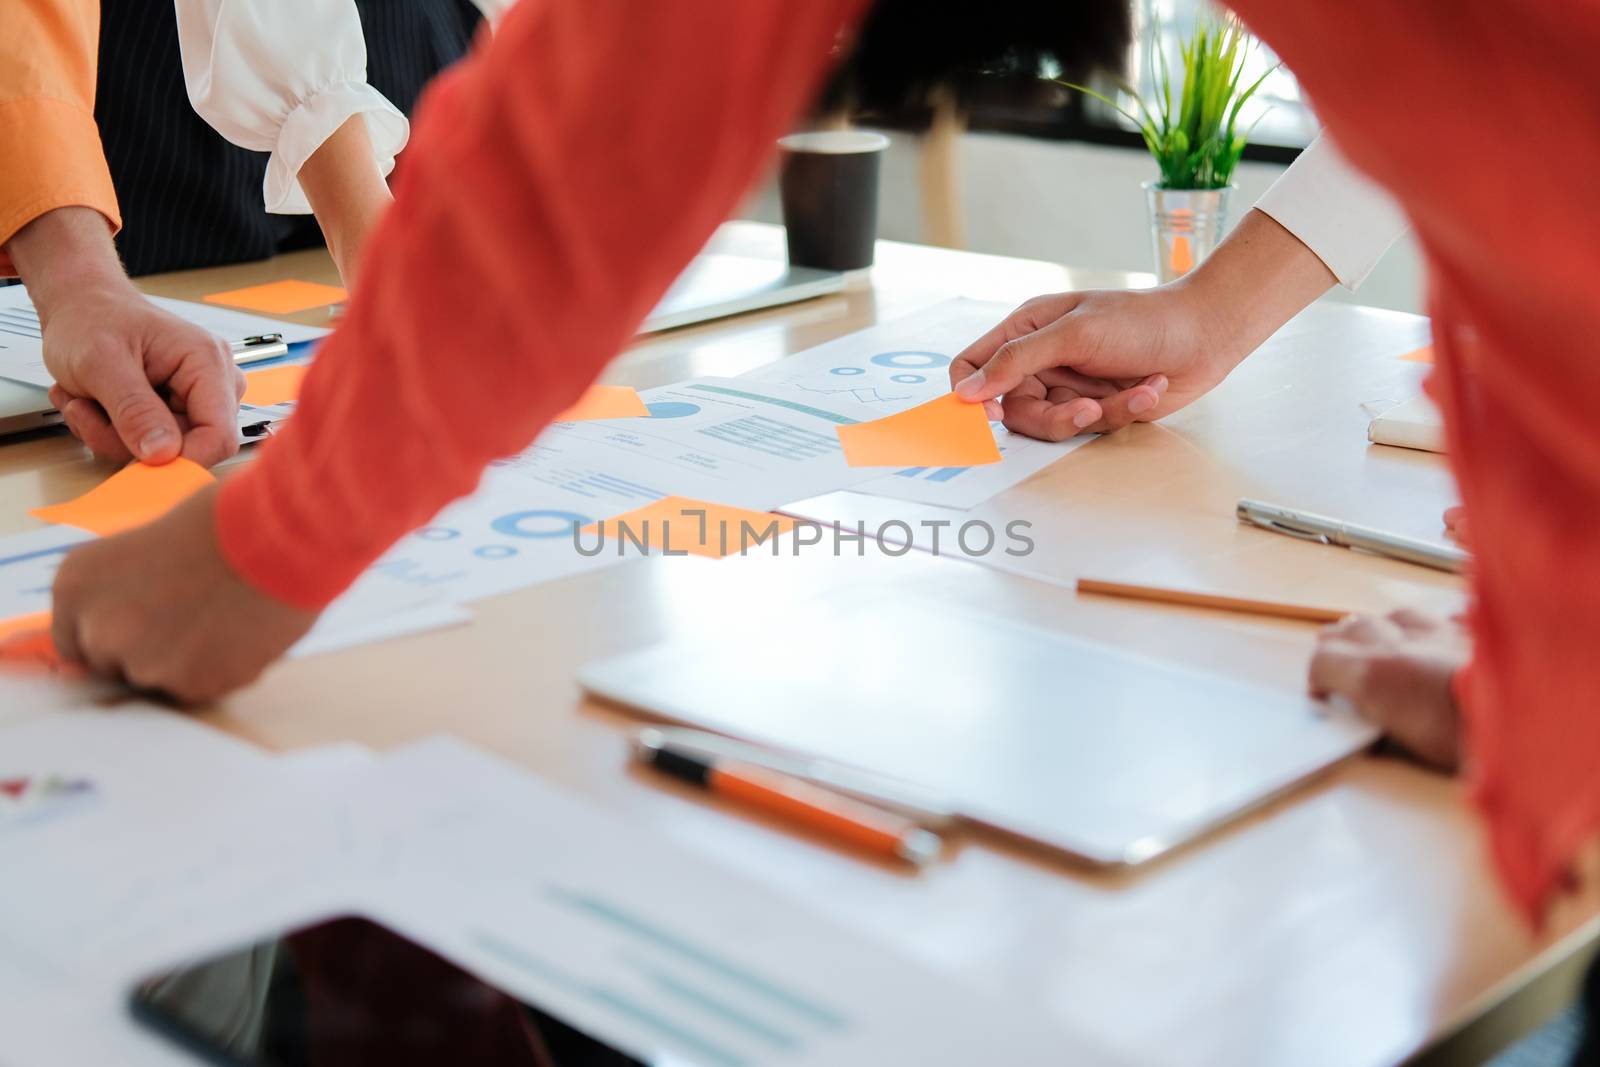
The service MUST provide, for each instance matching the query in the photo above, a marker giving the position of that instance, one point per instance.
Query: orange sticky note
(25, 642)
(947, 432)
(679, 524)
(133, 496)
(606, 402)
(1419, 355)
(280, 298)
(273, 385)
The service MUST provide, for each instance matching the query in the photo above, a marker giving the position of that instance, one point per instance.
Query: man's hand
(159, 607)
(1093, 362)
(132, 381)
(1397, 671)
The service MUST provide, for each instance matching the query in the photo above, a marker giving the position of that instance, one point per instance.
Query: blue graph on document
(866, 394)
(940, 474)
(932, 474)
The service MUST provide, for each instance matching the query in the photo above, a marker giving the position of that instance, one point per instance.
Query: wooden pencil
(1277, 609)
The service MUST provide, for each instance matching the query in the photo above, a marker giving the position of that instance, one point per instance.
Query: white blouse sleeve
(1337, 212)
(280, 76)
(492, 9)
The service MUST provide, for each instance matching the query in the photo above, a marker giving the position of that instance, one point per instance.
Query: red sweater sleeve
(1512, 274)
(558, 180)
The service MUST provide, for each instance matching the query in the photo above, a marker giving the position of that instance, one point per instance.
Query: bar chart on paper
(689, 995)
(629, 938)
(899, 364)
(509, 534)
(28, 563)
(724, 441)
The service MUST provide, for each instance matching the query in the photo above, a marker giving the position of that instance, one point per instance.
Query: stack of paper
(152, 841)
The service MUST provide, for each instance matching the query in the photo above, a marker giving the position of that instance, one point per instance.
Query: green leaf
(1196, 146)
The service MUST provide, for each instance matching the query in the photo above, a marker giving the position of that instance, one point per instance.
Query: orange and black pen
(849, 821)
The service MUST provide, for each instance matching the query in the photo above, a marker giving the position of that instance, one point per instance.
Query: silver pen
(1311, 527)
(256, 349)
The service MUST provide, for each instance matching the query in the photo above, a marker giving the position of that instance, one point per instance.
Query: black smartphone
(349, 992)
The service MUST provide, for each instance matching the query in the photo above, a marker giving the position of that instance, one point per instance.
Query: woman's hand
(1092, 362)
(1397, 670)
(1095, 361)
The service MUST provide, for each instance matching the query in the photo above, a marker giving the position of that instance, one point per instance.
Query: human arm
(346, 192)
(543, 214)
(1398, 671)
(290, 78)
(108, 348)
(1097, 361)
(49, 142)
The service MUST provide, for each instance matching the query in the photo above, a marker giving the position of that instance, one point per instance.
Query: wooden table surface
(1352, 923)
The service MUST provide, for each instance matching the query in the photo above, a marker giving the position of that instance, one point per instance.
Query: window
(1284, 122)
(1281, 115)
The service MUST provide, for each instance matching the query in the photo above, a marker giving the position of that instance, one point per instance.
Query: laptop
(716, 286)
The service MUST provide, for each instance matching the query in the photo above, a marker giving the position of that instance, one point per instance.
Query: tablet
(351, 991)
(1079, 747)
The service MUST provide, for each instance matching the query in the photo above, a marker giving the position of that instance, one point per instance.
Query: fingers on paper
(1077, 404)
(140, 417)
(212, 407)
(1057, 415)
(1020, 344)
(89, 423)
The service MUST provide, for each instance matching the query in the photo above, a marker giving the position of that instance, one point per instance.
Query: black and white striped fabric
(188, 197)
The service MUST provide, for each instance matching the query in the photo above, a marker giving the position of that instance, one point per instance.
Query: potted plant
(1196, 145)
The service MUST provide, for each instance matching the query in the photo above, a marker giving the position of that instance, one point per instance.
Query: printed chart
(902, 363)
(28, 563)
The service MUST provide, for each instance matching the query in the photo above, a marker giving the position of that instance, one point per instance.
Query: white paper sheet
(729, 441)
(28, 563)
(899, 364)
(618, 933)
(22, 344)
(662, 952)
(191, 840)
(511, 533)
(376, 608)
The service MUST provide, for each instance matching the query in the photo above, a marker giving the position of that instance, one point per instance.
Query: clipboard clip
(258, 347)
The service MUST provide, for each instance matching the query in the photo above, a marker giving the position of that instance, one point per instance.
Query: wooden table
(1352, 923)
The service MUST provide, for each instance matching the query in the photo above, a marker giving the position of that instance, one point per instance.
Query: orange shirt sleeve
(556, 183)
(50, 153)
